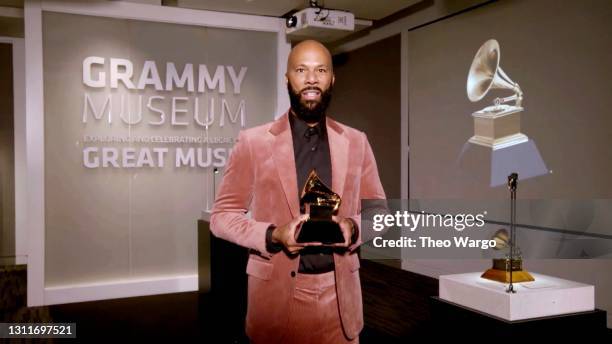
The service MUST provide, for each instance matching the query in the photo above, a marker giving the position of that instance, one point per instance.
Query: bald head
(309, 50)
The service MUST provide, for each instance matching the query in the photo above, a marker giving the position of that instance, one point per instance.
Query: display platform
(546, 296)
(470, 325)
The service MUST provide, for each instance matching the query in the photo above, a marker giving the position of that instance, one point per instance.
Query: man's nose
(311, 78)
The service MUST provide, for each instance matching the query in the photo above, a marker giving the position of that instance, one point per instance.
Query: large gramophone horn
(485, 73)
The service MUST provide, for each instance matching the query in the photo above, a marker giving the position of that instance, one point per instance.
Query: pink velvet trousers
(314, 315)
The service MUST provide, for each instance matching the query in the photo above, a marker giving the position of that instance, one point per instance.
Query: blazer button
(292, 273)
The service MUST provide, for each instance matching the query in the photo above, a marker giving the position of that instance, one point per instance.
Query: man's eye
(300, 70)
(322, 70)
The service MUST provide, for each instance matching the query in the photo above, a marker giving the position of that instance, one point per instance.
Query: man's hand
(346, 226)
(286, 235)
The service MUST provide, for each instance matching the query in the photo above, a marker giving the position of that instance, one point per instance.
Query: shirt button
(314, 148)
(292, 273)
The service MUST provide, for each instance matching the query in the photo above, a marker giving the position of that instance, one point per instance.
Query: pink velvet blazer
(260, 176)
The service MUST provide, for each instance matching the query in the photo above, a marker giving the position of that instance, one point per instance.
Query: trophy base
(501, 271)
(325, 232)
(498, 127)
(504, 276)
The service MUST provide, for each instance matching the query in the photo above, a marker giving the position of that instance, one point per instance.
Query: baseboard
(423, 269)
(437, 267)
(120, 289)
(14, 260)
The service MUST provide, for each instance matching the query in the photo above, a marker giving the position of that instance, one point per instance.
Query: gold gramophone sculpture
(321, 203)
(497, 126)
(509, 269)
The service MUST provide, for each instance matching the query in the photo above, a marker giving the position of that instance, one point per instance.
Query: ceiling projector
(320, 23)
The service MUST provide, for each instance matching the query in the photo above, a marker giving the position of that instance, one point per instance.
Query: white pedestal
(546, 296)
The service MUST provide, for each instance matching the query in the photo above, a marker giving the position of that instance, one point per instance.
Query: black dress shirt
(311, 151)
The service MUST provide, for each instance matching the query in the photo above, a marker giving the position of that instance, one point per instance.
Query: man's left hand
(347, 228)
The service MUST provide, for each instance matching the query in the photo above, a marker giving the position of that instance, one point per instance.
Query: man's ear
(333, 79)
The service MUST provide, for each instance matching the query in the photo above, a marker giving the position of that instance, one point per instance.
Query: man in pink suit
(298, 293)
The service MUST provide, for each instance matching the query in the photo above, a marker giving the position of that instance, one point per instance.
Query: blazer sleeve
(370, 188)
(228, 220)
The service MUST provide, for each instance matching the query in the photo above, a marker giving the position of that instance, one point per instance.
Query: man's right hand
(286, 234)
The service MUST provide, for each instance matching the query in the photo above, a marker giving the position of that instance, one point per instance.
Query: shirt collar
(299, 127)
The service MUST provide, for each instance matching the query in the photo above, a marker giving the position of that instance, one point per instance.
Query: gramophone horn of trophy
(497, 126)
(321, 203)
(510, 268)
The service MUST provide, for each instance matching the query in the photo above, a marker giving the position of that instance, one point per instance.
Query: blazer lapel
(284, 159)
(338, 150)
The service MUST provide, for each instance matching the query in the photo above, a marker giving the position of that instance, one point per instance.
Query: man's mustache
(311, 89)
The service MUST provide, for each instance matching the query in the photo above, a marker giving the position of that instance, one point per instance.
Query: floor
(397, 308)
(196, 315)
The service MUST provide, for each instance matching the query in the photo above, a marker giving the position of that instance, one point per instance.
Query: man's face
(309, 80)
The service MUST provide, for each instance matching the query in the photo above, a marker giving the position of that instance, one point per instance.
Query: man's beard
(310, 111)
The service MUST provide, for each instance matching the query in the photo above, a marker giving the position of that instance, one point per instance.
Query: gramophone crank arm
(517, 97)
